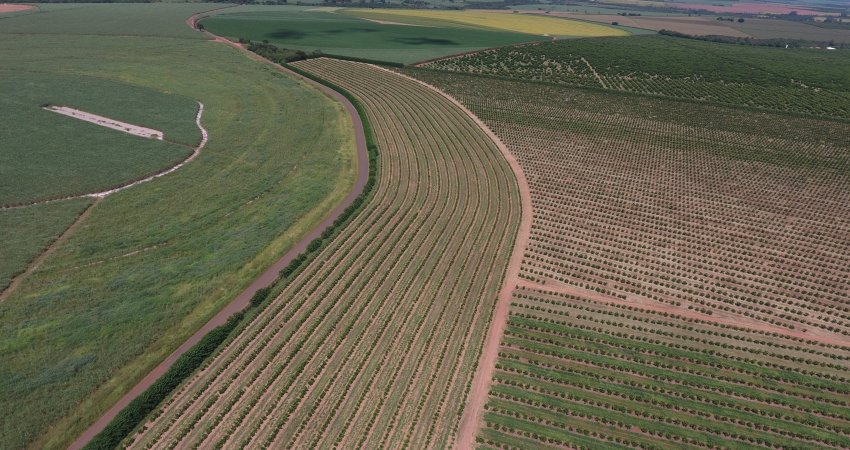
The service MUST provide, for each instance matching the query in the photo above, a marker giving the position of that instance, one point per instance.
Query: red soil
(8, 7)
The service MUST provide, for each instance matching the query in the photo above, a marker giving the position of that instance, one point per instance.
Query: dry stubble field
(375, 343)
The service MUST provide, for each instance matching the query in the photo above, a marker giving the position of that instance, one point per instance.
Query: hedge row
(141, 406)
(131, 416)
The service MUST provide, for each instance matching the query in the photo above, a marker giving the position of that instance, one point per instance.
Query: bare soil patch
(125, 127)
(11, 7)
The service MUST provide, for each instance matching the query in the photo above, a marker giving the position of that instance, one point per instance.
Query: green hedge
(131, 416)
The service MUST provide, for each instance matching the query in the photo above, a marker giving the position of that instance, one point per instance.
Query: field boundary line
(678, 312)
(243, 300)
(195, 152)
(35, 263)
(595, 74)
(473, 412)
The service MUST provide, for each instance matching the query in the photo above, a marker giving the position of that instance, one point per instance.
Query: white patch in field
(128, 128)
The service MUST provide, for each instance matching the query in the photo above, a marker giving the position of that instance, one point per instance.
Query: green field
(150, 264)
(339, 34)
(51, 155)
(27, 231)
(786, 29)
(769, 78)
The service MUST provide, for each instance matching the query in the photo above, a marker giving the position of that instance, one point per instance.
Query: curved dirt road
(270, 275)
(471, 419)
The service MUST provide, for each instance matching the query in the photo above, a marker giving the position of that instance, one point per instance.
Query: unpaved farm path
(241, 301)
(648, 305)
(97, 196)
(100, 194)
(47, 251)
(473, 412)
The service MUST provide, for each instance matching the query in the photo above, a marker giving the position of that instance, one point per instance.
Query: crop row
(561, 374)
(679, 206)
(391, 314)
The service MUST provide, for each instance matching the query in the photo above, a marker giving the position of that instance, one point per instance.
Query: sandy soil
(125, 127)
(473, 413)
(268, 277)
(10, 7)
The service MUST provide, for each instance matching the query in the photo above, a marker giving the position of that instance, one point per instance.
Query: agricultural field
(774, 79)
(53, 156)
(375, 342)
(695, 26)
(336, 32)
(28, 231)
(686, 279)
(528, 24)
(776, 28)
(148, 265)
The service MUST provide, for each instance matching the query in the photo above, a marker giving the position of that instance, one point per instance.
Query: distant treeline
(285, 55)
(775, 42)
(276, 54)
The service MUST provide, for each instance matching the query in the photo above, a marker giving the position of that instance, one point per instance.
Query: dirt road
(270, 275)
(10, 7)
(474, 410)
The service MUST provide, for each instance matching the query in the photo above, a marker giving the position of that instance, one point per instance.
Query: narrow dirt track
(471, 419)
(729, 319)
(241, 301)
(98, 196)
(50, 248)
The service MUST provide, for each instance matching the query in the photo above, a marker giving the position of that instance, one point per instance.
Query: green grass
(50, 155)
(153, 263)
(128, 19)
(340, 34)
(27, 231)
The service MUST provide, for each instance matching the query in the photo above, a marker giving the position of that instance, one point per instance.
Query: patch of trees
(279, 55)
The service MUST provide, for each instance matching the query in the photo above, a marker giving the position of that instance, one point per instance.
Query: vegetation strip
(286, 265)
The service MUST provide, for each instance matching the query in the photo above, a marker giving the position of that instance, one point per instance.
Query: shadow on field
(288, 34)
(350, 30)
(425, 41)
